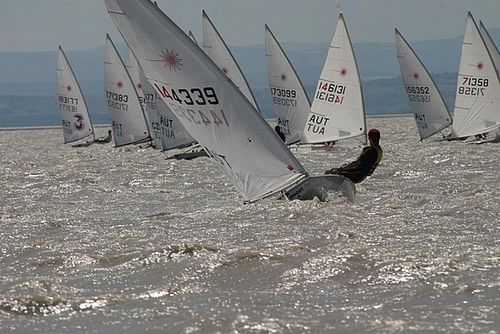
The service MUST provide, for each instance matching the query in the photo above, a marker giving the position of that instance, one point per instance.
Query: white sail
(427, 104)
(127, 117)
(215, 47)
(477, 101)
(152, 118)
(73, 110)
(491, 46)
(290, 102)
(172, 132)
(206, 102)
(337, 110)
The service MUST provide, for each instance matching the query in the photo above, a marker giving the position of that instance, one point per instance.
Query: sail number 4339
(189, 96)
(181, 100)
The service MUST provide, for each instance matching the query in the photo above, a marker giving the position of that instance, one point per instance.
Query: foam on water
(98, 239)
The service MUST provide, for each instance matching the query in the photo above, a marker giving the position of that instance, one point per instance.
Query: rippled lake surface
(112, 240)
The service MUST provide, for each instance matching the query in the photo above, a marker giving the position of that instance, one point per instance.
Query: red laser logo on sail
(415, 75)
(171, 60)
(343, 72)
(480, 66)
(225, 70)
(283, 77)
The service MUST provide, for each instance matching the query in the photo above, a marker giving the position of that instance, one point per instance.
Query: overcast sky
(41, 25)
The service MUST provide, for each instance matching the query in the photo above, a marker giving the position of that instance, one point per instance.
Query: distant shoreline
(270, 120)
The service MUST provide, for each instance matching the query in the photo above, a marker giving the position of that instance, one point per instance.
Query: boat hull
(321, 187)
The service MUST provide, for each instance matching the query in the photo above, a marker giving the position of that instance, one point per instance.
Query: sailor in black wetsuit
(106, 139)
(365, 164)
(280, 133)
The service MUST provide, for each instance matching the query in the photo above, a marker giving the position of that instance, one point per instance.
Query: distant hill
(28, 80)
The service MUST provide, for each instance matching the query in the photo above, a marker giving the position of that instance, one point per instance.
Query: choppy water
(103, 240)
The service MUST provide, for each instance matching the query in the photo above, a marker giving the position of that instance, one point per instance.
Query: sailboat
(491, 136)
(128, 121)
(290, 102)
(214, 110)
(152, 117)
(427, 104)
(73, 110)
(215, 47)
(337, 110)
(477, 101)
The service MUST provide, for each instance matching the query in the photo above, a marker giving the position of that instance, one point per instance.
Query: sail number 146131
(330, 92)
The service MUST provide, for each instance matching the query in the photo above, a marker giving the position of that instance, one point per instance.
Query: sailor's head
(109, 132)
(374, 135)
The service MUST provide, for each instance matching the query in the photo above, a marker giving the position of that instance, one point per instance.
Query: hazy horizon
(78, 25)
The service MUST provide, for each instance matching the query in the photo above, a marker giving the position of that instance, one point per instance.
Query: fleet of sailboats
(212, 108)
(176, 94)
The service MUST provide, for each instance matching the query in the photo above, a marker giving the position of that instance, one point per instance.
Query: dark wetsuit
(363, 166)
(105, 140)
(280, 133)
